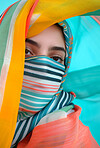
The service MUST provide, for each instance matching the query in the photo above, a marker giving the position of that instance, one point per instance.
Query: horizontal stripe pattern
(45, 66)
(43, 81)
(36, 70)
(64, 99)
(36, 97)
(42, 77)
(27, 66)
(25, 80)
(40, 85)
(47, 61)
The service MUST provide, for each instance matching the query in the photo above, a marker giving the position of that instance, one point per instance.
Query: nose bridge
(43, 51)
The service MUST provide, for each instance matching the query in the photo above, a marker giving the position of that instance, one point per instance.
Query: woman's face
(49, 42)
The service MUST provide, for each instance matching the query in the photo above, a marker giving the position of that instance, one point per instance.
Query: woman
(53, 59)
(47, 55)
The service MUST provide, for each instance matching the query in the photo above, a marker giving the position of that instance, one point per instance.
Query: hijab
(14, 24)
(59, 100)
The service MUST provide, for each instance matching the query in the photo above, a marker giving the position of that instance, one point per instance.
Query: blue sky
(5, 3)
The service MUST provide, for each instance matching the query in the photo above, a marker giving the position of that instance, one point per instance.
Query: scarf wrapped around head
(14, 24)
(28, 100)
(59, 100)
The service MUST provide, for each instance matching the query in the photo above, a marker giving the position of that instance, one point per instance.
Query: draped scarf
(13, 21)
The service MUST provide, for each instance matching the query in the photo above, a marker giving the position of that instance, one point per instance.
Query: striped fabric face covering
(23, 127)
(42, 79)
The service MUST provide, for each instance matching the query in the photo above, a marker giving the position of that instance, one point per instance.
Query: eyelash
(57, 57)
(28, 50)
(54, 57)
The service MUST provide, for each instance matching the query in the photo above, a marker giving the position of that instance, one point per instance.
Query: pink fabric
(68, 132)
(29, 16)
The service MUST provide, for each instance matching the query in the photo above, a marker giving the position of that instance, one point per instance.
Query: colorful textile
(68, 132)
(58, 66)
(26, 124)
(59, 98)
(13, 28)
(41, 81)
(84, 73)
(24, 127)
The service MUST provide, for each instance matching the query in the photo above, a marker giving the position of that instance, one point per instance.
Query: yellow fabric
(9, 110)
(49, 12)
(54, 11)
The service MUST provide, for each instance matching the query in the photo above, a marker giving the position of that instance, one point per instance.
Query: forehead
(52, 34)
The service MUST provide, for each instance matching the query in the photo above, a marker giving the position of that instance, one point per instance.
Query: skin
(49, 42)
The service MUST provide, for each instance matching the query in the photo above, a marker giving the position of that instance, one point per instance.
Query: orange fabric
(11, 99)
(68, 132)
(50, 12)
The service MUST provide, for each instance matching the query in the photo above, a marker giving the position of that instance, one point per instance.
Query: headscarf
(27, 94)
(12, 53)
(59, 100)
(84, 73)
(76, 78)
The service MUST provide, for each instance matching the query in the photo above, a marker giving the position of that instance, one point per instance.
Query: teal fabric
(97, 12)
(84, 72)
(90, 115)
(42, 76)
(4, 30)
(59, 100)
(84, 83)
(86, 33)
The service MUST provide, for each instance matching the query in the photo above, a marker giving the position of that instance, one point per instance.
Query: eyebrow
(58, 48)
(52, 48)
(32, 42)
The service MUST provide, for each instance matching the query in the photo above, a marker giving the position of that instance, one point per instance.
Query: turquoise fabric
(84, 72)
(58, 101)
(4, 31)
(97, 12)
(41, 81)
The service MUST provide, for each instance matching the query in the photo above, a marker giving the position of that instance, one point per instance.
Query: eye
(57, 58)
(28, 52)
